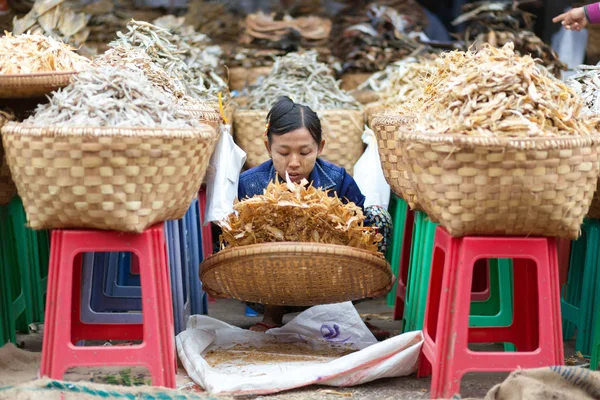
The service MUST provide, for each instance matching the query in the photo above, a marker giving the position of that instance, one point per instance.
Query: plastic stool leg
(196, 293)
(174, 253)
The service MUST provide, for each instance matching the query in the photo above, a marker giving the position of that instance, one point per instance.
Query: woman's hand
(573, 19)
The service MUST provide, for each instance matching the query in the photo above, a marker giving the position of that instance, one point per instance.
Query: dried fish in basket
(7, 186)
(311, 83)
(494, 145)
(296, 235)
(33, 65)
(118, 154)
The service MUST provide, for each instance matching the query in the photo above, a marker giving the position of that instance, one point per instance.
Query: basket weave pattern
(492, 186)
(33, 85)
(240, 77)
(295, 274)
(342, 131)
(123, 179)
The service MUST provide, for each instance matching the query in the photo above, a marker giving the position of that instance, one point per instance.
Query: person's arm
(578, 18)
(349, 190)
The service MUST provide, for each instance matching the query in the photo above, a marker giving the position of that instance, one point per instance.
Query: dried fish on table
(34, 53)
(289, 212)
(301, 77)
(215, 20)
(107, 96)
(495, 92)
(586, 83)
(501, 22)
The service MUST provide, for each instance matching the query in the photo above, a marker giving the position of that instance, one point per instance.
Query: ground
(232, 312)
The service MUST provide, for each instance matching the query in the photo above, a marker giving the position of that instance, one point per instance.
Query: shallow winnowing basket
(503, 186)
(33, 85)
(123, 179)
(342, 131)
(295, 274)
(240, 77)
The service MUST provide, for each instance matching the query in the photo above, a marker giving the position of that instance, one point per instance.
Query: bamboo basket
(123, 179)
(351, 81)
(240, 77)
(503, 186)
(342, 131)
(33, 85)
(295, 274)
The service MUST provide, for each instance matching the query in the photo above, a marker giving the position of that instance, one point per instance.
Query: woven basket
(502, 186)
(386, 128)
(351, 81)
(240, 77)
(342, 130)
(123, 179)
(33, 85)
(295, 274)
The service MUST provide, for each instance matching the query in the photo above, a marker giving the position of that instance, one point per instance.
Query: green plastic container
(397, 209)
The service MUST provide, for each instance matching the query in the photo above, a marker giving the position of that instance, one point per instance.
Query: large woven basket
(351, 81)
(503, 186)
(295, 274)
(122, 179)
(33, 85)
(342, 130)
(240, 77)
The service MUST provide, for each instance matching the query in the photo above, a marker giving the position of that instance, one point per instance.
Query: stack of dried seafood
(251, 58)
(52, 18)
(307, 81)
(376, 38)
(34, 53)
(586, 83)
(200, 81)
(215, 20)
(500, 22)
(495, 92)
(107, 96)
(288, 33)
(297, 213)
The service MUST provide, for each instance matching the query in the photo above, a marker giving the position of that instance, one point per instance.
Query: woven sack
(296, 274)
(386, 128)
(240, 77)
(33, 85)
(351, 81)
(123, 179)
(503, 186)
(342, 131)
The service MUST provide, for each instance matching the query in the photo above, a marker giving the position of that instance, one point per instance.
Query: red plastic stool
(536, 329)
(63, 327)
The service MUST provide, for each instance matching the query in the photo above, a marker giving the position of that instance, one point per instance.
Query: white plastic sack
(222, 175)
(369, 175)
(570, 46)
(317, 327)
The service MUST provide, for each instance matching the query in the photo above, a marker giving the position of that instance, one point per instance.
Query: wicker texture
(33, 85)
(123, 179)
(351, 81)
(240, 77)
(494, 186)
(342, 130)
(295, 274)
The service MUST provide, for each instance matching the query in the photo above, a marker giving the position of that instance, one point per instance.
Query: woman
(294, 142)
(578, 18)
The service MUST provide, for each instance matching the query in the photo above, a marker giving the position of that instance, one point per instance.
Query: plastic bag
(223, 175)
(369, 175)
(571, 47)
(318, 328)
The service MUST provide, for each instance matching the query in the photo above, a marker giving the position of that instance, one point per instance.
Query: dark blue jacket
(325, 175)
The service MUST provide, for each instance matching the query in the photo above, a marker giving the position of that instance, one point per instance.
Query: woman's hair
(286, 116)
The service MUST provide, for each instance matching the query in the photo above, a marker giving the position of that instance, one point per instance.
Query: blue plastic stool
(198, 299)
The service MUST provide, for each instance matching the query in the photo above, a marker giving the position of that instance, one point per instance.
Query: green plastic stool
(595, 359)
(4, 302)
(397, 208)
(582, 292)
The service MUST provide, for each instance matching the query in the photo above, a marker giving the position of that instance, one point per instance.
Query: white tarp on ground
(320, 327)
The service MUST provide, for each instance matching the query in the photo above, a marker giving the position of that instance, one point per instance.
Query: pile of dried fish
(107, 96)
(404, 82)
(307, 81)
(378, 37)
(501, 22)
(586, 83)
(237, 56)
(288, 33)
(215, 20)
(495, 92)
(52, 18)
(297, 213)
(382, 80)
(33, 53)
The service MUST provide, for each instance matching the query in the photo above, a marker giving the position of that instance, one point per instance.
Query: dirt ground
(232, 312)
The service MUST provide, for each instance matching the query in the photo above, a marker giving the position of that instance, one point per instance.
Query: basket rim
(38, 74)
(205, 131)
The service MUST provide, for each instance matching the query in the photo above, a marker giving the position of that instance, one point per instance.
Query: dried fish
(33, 53)
(112, 96)
(586, 83)
(495, 92)
(305, 80)
(215, 20)
(288, 212)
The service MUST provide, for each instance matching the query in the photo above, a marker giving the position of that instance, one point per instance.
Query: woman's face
(294, 152)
